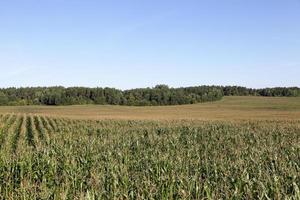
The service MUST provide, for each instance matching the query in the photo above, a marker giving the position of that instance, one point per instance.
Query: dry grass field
(230, 108)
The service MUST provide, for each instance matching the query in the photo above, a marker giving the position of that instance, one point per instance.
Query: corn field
(55, 158)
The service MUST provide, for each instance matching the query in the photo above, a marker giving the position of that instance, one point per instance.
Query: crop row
(32, 129)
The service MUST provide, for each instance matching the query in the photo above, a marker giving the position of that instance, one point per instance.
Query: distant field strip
(230, 108)
(59, 158)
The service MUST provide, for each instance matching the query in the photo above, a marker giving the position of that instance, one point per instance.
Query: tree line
(158, 95)
(267, 92)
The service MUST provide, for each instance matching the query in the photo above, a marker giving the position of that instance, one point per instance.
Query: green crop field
(61, 153)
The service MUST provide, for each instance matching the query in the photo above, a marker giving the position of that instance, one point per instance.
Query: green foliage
(159, 95)
(3, 99)
(269, 92)
(45, 158)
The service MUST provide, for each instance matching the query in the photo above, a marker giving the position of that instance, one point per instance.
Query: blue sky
(140, 43)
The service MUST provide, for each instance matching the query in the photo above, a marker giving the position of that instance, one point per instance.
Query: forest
(267, 92)
(158, 95)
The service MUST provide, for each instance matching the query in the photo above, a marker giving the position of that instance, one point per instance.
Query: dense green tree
(3, 99)
(269, 92)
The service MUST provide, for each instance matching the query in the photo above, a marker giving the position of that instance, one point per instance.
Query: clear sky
(140, 43)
